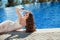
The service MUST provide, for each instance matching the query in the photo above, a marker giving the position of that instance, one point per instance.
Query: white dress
(9, 26)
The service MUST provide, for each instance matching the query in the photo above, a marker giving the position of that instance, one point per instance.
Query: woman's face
(26, 15)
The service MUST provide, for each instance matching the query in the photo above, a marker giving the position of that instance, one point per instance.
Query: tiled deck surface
(41, 34)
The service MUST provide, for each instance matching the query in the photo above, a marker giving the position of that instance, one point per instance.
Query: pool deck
(40, 34)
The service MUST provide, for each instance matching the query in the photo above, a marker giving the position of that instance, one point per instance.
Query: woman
(26, 20)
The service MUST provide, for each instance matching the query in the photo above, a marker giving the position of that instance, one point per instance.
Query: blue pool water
(2, 15)
(46, 15)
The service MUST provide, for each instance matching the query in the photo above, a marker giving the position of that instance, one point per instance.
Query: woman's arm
(20, 18)
(18, 13)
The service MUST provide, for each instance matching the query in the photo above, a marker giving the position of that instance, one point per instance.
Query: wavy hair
(30, 23)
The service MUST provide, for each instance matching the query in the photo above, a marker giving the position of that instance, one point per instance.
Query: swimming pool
(46, 15)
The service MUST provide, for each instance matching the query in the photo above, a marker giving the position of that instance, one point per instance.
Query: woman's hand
(18, 13)
(17, 9)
